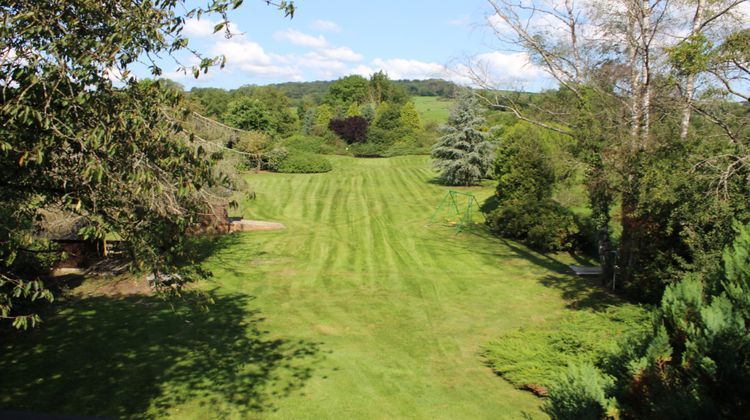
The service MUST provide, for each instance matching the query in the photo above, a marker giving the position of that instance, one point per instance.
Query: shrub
(304, 163)
(381, 136)
(581, 393)
(351, 129)
(368, 150)
(274, 158)
(533, 357)
(523, 168)
(307, 144)
(542, 225)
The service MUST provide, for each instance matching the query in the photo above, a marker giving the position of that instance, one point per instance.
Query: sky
(325, 40)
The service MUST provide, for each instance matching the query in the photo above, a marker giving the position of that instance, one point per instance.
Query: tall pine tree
(463, 155)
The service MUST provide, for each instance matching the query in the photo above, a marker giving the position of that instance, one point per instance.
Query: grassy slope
(357, 310)
(432, 108)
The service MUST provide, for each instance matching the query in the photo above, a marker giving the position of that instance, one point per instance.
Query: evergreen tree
(409, 118)
(308, 123)
(368, 111)
(463, 155)
(323, 115)
(694, 363)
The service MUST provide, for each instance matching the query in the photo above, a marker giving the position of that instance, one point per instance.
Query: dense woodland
(638, 162)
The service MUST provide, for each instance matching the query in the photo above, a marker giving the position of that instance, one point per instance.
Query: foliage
(213, 101)
(545, 225)
(382, 89)
(522, 168)
(581, 393)
(303, 163)
(308, 144)
(354, 110)
(273, 159)
(409, 118)
(116, 155)
(254, 144)
(692, 363)
(463, 155)
(387, 116)
(368, 149)
(538, 354)
(249, 114)
(323, 115)
(428, 88)
(347, 90)
(351, 129)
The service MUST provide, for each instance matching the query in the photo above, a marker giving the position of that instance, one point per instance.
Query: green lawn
(432, 108)
(356, 310)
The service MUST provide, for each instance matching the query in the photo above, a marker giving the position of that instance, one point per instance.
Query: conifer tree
(409, 118)
(323, 115)
(463, 155)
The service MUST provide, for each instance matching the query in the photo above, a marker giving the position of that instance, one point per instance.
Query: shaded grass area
(139, 355)
(358, 309)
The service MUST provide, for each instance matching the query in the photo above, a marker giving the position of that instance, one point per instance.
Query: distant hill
(316, 89)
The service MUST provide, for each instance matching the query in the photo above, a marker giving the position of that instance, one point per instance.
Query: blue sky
(329, 39)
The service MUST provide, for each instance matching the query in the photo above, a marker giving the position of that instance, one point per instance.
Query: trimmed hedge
(303, 163)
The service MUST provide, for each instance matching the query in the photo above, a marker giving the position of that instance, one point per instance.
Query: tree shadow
(490, 204)
(140, 356)
(580, 292)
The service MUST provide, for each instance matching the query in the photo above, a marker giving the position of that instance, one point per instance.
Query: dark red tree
(351, 129)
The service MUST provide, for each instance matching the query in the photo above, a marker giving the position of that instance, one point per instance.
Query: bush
(378, 135)
(542, 225)
(307, 144)
(523, 168)
(533, 357)
(581, 393)
(274, 158)
(368, 150)
(304, 163)
(351, 129)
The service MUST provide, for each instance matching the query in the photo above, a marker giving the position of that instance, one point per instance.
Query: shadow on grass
(580, 292)
(125, 357)
(490, 204)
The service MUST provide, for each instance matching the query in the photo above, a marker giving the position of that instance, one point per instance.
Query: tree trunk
(690, 79)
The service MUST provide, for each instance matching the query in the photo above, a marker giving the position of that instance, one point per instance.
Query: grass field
(432, 108)
(357, 310)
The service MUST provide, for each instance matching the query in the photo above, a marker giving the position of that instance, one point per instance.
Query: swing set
(463, 212)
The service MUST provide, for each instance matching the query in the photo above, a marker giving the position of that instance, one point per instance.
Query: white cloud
(325, 26)
(198, 27)
(340, 53)
(399, 68)
(205, 27)
(302, 39)
(241, 52)
(509, 66)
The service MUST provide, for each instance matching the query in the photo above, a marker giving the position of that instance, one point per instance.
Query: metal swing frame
(465, 218)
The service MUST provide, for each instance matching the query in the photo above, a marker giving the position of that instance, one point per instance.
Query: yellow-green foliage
(354, 110)
(323, 115)
(536, 355)
(409, 118)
